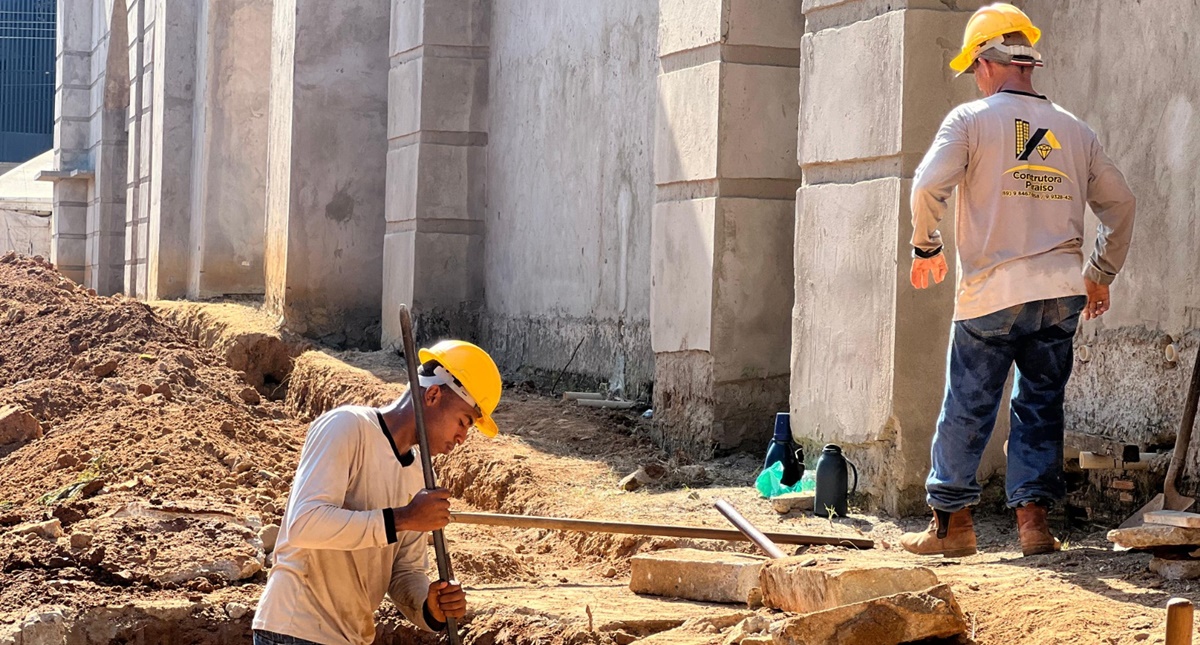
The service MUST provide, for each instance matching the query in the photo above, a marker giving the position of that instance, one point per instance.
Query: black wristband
(926, 255)
(389, 525)
(433, 623)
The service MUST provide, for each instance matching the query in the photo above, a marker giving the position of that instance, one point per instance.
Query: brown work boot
(949, 534)
(1035, 530)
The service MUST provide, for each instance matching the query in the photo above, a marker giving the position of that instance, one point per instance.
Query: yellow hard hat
(988, 23)
(473, 376)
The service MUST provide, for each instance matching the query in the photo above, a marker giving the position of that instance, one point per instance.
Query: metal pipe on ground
(658, 530)
(749, 530)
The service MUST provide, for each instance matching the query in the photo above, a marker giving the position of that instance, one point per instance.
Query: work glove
(922, 267)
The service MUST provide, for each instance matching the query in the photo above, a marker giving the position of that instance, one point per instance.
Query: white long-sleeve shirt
(1024, 169)
(338, 552)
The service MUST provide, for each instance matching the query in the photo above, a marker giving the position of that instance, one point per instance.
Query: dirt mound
(475, 567)
(134, 414)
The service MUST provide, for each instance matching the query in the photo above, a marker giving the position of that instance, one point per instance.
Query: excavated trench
(502, 563)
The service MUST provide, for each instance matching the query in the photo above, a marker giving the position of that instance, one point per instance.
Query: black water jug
(832, 482)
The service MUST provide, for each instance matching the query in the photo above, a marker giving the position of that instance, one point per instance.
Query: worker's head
(998, 47)
(994, 68)
(461, 387)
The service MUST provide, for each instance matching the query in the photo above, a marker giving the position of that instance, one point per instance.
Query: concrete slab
(1174, 518)
(796, 585)
(900, 618)
(789, 502)
(1176, 569)
(1152, 535)
(692, 574)
(613, 607)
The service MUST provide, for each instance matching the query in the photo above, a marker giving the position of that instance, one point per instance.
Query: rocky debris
(697, 631)
(81, 540)
(1149, 536)
(105, 369)
(165, 390)
(788, 502)
(236, 610)
(1176, 569)
(268, 535)
(50, 529)
(145, 389)
(752, 626)
(647, 474)
(250, 396)
(798, 585)
(18, 426)
(691, 574)
(891, 620)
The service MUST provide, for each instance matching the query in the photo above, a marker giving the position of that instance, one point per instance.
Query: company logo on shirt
(1036, 181)
(1043, 141)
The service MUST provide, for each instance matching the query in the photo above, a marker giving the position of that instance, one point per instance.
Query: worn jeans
(271, 638)
(1037, 337)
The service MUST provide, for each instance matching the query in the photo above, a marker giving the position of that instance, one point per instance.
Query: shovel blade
(1139, 518)
(1178, 502)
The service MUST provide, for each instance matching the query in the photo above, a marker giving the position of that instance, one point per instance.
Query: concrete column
(326, 172)
(233, 74)
(171, 149)
(140, 123)
(437, 138)
(105, 271)
(868, 353)
(72, 113)
(721, 242)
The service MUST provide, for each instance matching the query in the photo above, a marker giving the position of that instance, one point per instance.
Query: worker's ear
(433, 394)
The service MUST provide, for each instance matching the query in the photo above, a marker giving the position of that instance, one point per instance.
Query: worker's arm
(1114, 204)
(410, 587)
(943, 168)
(317, 519)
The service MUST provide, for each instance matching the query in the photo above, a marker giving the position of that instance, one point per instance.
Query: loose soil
(162, 496)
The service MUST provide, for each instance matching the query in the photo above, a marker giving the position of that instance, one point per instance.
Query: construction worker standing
(355, 524)
(1024, 168)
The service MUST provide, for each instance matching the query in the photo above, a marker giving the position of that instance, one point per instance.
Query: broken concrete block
(642, 476)
(752, 626)
(1176, 569)
(795, 585)
(696, 575)
(1174, 518)
(891, 620)
(18, 426)
(789, 502)
(50, 529)
(1152, 535)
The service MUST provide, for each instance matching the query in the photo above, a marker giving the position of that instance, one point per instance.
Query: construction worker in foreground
(1024, 169)
(357, 518)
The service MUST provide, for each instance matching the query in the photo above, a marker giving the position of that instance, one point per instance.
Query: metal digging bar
(418, 403)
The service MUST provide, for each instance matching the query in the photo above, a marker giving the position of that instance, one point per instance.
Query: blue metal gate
(26, 78)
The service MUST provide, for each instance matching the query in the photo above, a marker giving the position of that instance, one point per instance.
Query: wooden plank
(1174, 518)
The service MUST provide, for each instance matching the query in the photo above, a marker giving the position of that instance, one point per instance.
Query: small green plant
(96, 469)
(830, 513)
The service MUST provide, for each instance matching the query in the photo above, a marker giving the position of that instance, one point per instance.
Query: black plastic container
(833, 482)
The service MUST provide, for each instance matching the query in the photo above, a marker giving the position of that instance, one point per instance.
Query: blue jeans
(271, 638)
(1037, 337)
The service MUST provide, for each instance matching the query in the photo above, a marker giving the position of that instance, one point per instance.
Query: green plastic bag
(768, 482)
